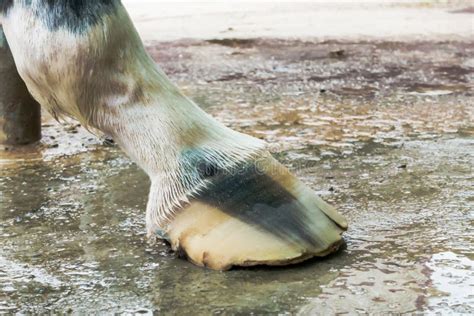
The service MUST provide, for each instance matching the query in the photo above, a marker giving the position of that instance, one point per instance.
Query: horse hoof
(257, 214)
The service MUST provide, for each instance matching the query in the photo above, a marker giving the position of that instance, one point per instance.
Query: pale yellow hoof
(258, 214)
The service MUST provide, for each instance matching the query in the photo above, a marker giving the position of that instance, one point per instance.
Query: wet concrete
(381, 130)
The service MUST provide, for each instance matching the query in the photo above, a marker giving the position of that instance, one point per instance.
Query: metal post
(20, 114)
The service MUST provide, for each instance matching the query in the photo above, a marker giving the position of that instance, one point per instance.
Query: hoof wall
(210, 238)
(258, 216)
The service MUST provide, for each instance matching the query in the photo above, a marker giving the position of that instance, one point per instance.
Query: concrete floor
(381, 127)
(165, 21)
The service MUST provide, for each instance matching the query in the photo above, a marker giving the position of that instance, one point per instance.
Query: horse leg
(20, 115)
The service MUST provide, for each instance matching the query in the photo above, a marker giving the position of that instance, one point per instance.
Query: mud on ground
(382, 130)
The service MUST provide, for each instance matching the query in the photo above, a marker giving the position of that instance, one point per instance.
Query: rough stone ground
(382, 129)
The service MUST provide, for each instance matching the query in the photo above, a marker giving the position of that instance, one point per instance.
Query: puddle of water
(381, 287)
(72, 236)
(453, 276)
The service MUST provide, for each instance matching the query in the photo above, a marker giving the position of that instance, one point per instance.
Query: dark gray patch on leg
(5, 5)
(75, 15)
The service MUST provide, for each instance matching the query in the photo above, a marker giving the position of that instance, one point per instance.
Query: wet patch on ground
(381, 130)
